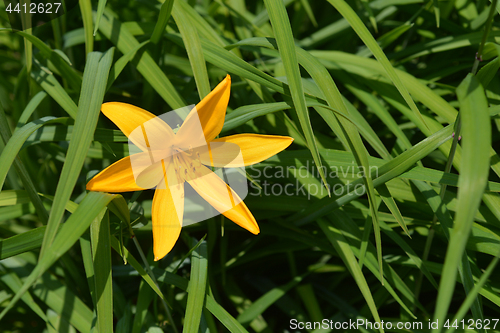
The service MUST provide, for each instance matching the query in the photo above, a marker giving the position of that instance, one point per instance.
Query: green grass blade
(59, 60)
(14, 145)
(121, 63)
(346, 11)
(27, 241)
(14, 283)
(86, 10)
(100, 10)
(13, 197)
(30, 108)
(384, 193)
(193, 48)
(385, 172)
(137, 266)
(145, 64)
(161, 23)
(444, 216)
(50, 84)
(268, 299)
(344, 251)
(91, 97)
(143, 301)
(246, 113)
(196, 291)
(77, 223)
(472, 295)
(101, 252)
(286, 47)
(11, 157)
(474, 174)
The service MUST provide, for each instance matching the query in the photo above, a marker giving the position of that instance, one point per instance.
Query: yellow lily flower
(171, 165)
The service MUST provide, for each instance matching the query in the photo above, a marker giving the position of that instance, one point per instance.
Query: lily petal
(211, 112)
(227, 202)
(254, 148)
(140, 126)
(167, 214)
(118, 177)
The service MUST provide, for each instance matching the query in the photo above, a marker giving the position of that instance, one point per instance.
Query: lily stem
(150, 272)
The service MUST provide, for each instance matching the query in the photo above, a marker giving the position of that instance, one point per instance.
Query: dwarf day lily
(171, 160)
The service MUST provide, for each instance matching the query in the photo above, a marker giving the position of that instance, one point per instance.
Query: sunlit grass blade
(69, 233)
(101, 251)
(143, 301)
(13, 197)
(197, 286)
(344, 251)
(474, 174)
(13, 146)
(11, 157)
(14, 283)
(161, 24)
(193, 48)
(385, 172)
(145, 64)
(444, 216)
(91, 97)
(286, 47)
(58, 59)
(30, 108)
(21, 243)
(50, 84)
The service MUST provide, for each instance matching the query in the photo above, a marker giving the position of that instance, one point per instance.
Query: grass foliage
(385, 208)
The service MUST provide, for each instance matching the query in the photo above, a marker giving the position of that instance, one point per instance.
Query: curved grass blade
(86, 10)
(93, 88)
(30, 108)
(121, 63)
(91, 206)
(246, 113)
(60, 62)
(50, 84)
(5, 136)
(472, 295)
(444, 216)
(27, 241)
(346, 11)
(145, 64)
(161, 23)
(476, 144)
(100, 10)
(193, 48)
(268, 299)
(101, 252)
(344, 251)
(196, 291)
(14, 145)
(385, 172)
(286, 47)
